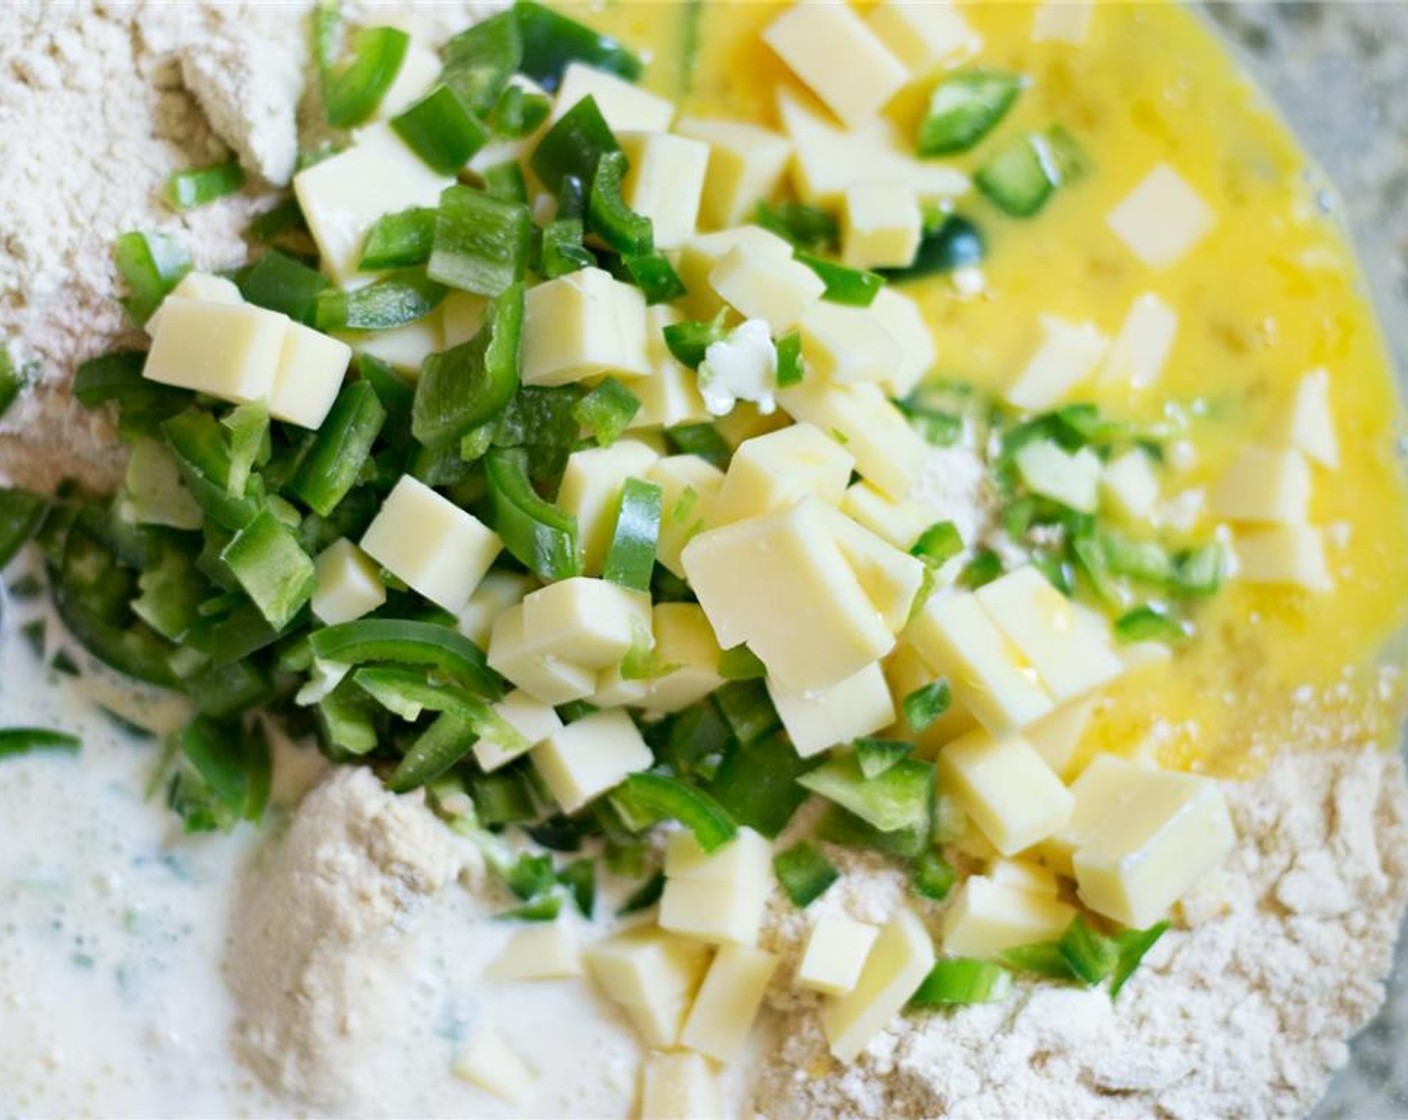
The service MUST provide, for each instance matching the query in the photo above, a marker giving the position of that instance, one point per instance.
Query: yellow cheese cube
(746, 421)
(418, 72)
(1142, 859)
(1068, 353)
(800, 609)
(1141, 349)
(889, 454)
(890, 578)
(530, 721)
(1006, 787)
(701, 255)
(900, 316)
(1103, 790)
(1162, 219)
(689, 486)
(898, 523)
(426, 540)
(343, 196)
(688, 655)
(583, 324)
(778, 469)
(772, 289)
(645, 965)
(838, 57)
(1130, 487)
(1071, 659)
(403, 348)
(230, 351)
(589, 622)
(988, 674)
(1290, 555)
(906, 670)
(534, 666)
(1264, 484)
(203, 287)
(746, 165)
(1063, 21)
(746, 860)
(901, 957)
(309, 375)
(1069, 477)
(679, 1086)
(591, 492)
(1308, 424)
(496, 592)
(670, 395)
(924, 33)
(545, 951)
(461, 316)
(720, 896)
(625, 106)
(589, 757)
(1057, 735)
(728, 1002)
(847, 344)
(825, 717)
(348, 583)
(835, 954)
(489, 1063)
(988, 917)
(880, 224)
(1025, 876)
(665, 182)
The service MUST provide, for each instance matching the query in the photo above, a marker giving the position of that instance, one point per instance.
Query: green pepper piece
(537, 533)
(470, 384)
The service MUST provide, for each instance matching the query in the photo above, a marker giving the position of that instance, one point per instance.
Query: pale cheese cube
(1130, 487)
(231, 351)
(748, 421)
(418, 73)
(1308, 424)
(830, 48)
(343, 196)
(534, 666)
(746, 165)
(1101, 791)
(589, 757)
(989, 676)
(899, 523)
(778, 469)
(543, 951)
(719, 896)
(699, 256)
(461, 316)
(1142, 347)
(880, 224)
(889, 454)
(989, 917)
(686, 657)
(1289, 555)
(202, 286)
(348, 584)
(588, 622)
(1063, 21)
(1006, 787)
(835, 954)
(800, 609)
(591, 492)
(403, 348)
(772, 289)
(646, 965)
(924, 33)
(746, 860)
(310, 372)
(1138, 862)
(624, 105)
(658, 1022)
(689, 486)
(844, 345)
(581, 325)
(1070, 658)
(906, 671)
(1068, 354)
(670, 395)
(1162, 219)
(1264, 484)
(679, 1086)
(496, 592)
(426, 540)
(859, 705)
(890, 578)
(1057, 735)
(728, 1001)
(741, 367)
(899, 960)
(491, 1064)
(530, 721)
(1069, 477)
(1025, 876)
(898, 314)
(665, 182)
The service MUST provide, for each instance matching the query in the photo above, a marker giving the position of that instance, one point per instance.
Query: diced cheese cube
(545, 951)
(906, 671)
(801, 609)
(670, 395)
(496, 592)
(589, 622)
(835, 954)
(889, 454)
(534, 666)
(679, 1086)
(687, 656)
(1071, 659)
(461, 316)
(989, 676)
(1264, 484)
(1162, 218)
(645, 964)
(772, 289)
(740, 367)
(591, 492)
(343, 196)
(1071, 478)
(418, 72)
(728, 1001)
(230, 351)
(847, 344)
(581, 325)
(530, 721)
(1067, 355)
(880, 224)
(988, 917)
(859, 705)
(899, 960)
(1308, 424)
(776, 470)
(1143, 858)
(1006, 787)
(901, 317)
(1101, 791)
(748, 421)
(489, 1063)
(403, 348)
(1025, 876)
(1291, 555)
(830, 48)
(202, 286)
(1057, 735)
(890, 578)
(624, 105)
(1145, 341)
(701, 255)
(689, 486)
(1130, 487)
(589, 757)
(924, 33)
(310, 371)
(719, 896)
(899, 523)
(348, 583)
(1063, 21)
(746, 165)
(658, 1022)
(665, 182)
